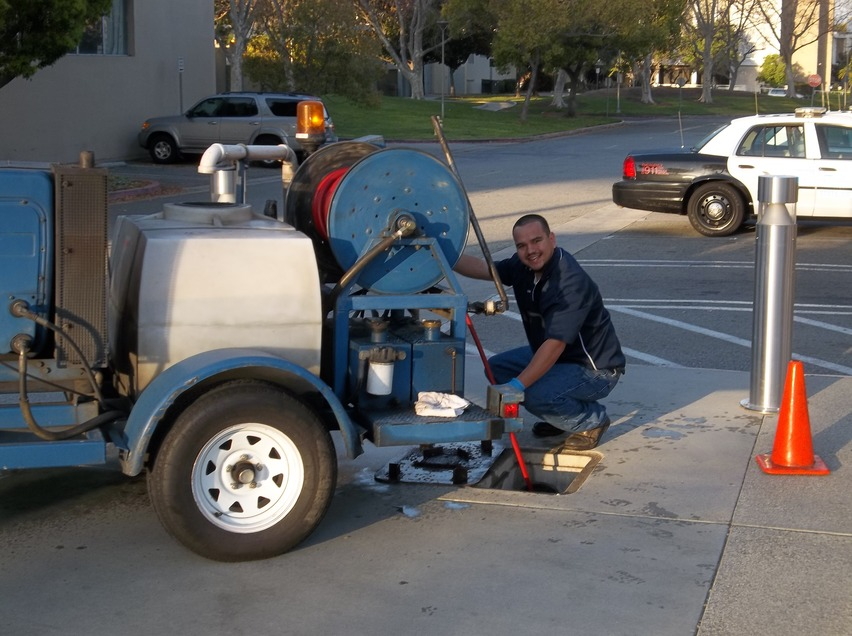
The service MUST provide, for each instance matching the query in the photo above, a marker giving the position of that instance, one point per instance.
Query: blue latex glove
(516, 384)
(510, 388)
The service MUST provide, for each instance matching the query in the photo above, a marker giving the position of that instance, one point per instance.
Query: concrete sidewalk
(676, 532)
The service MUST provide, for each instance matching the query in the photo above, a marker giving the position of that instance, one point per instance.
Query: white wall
(98, 102)
(467, 79)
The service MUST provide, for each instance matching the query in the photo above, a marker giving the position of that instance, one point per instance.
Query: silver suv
(227, 118)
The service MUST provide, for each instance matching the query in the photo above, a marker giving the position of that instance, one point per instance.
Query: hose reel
(349, 196)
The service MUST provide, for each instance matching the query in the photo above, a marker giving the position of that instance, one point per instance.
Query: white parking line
(710, 305)
(823, 325)
(647, 357)
(650, 263)
(724, 336)
(735, 305)
(639, 355)
(671, 322)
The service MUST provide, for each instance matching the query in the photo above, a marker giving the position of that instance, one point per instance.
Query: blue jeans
(566, 396)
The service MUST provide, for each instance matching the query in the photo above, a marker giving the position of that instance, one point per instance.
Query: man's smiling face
(534, 245)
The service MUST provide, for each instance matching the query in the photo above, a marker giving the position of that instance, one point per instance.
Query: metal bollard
(774, 291)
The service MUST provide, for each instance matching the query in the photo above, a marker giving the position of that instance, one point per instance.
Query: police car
(715, 183)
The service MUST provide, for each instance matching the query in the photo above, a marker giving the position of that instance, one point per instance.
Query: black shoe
(586, 440)
(543, 429)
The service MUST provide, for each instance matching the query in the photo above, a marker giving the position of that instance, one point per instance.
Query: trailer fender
(207, 368)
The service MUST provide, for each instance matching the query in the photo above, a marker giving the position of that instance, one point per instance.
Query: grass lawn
(400, 118)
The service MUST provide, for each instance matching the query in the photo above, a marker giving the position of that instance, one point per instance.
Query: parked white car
(715, 183)
(781, 92)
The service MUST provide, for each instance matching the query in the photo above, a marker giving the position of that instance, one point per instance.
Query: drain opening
(556, 472)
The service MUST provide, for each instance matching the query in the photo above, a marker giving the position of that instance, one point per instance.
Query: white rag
(434, 404)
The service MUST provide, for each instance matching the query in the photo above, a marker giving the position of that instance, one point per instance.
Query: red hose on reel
(490, 375)
(321, 202)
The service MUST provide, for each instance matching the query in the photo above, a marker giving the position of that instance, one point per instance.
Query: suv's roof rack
(267, 93)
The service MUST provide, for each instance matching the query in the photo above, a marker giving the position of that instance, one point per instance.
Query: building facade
(146, 58)
(477, 76)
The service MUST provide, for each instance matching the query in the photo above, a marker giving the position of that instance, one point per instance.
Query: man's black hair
(526, 219)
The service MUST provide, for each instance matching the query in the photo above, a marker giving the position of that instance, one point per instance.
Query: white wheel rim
(247, 478)
(162, 150)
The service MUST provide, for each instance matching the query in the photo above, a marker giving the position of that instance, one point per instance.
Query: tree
(36, 33)
(583, 46)
(715, 36)
(316, 46)
(705, 15)
(472, 24)
(734, 35)
(533, 36)
(527, 36)
(645, 29)
(793, 24)
(235, 23)
(773, 71)
(458, 47)
(401, 26)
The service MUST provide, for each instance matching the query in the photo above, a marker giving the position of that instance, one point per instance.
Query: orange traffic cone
(793, 451)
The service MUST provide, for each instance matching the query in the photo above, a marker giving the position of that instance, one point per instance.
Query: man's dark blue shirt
(565, 305)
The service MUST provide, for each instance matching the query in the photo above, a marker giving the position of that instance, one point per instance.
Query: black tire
(163, 149)
(716, 209)
(246, 472)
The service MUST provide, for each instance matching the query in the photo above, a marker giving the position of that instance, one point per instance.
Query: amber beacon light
(310, 123)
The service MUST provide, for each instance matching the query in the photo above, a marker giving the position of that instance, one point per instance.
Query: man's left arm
(472, 267)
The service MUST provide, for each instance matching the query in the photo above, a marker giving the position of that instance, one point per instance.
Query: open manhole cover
(552, 471)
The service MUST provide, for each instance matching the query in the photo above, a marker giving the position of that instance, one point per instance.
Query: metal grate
(81, 251)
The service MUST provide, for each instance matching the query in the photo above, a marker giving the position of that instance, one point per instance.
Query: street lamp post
(618, 93)
(443, 24)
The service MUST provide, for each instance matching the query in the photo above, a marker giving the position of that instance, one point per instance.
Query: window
(282, 107)
(209, 107)
(774, 141)
(238, 107)
(835, 141)
(108, 34)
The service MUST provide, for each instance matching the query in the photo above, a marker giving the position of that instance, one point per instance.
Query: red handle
(490, 375)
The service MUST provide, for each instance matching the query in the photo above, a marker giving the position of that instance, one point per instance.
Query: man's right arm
(472, 267)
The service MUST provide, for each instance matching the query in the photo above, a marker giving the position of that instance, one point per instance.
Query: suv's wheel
(716, 209)
(163, 149)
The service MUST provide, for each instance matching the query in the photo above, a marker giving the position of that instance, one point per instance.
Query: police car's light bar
(808, 112)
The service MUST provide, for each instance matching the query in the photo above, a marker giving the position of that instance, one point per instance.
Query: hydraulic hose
(43, 433)
(405, 226)
(20, 309)
(516, 447)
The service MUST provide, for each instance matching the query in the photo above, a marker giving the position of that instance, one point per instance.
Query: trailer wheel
(246, 472)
